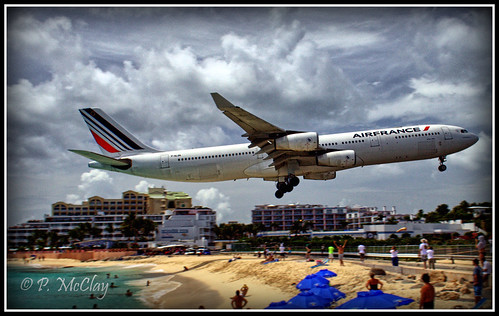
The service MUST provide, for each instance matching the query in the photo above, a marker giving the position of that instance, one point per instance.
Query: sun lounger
(320, 263)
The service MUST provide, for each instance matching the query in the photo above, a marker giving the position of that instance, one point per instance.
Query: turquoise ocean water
(35, 287)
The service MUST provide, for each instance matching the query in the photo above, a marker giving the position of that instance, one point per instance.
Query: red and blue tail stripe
(109, 135)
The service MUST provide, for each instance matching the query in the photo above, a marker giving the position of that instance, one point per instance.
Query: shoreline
(210, 281)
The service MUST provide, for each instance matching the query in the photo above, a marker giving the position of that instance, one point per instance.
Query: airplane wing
(257, 130)
(264, 135)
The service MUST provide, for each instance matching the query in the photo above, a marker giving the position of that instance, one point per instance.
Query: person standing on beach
(307, 256)
(362, 252)
(282, 251)
(394, 255)
(477, 281)
(422, 251)
(330, 251)
(238, 302)
(427, 300)
(431, 258)
(481, 243)
(341, 251)
(486, 270)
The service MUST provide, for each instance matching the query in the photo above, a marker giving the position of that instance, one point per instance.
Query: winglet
(222, 103)
(254, 126)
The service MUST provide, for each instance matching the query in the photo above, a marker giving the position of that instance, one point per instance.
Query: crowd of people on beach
(426, 254)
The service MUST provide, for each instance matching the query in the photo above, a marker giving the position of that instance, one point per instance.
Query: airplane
(273, 154)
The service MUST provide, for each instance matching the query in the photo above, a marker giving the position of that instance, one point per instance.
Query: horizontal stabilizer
(102, 159)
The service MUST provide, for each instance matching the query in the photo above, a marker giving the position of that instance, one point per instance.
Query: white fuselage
(232, 162)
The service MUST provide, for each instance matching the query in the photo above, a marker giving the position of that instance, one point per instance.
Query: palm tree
(137, 227)
(38, 239)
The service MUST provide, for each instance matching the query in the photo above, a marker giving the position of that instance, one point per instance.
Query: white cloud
(432, 97)
(345, 38)
(431, 88)
(51, 42)
(217, 201)
(143, 186)
(92, 183)
(477, 156)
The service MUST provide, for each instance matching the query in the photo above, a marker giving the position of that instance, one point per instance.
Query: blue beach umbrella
(375, 299)
(325, 273)
(282, 305)
(311, 281)
(328, 294)
(307, 300)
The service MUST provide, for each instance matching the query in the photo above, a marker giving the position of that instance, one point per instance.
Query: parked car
(190, 251)
(203, 251)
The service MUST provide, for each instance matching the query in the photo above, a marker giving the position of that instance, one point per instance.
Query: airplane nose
(472, 139)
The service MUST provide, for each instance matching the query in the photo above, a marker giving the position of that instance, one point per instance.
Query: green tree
(137, 227)
(442, 210)
(38, 239)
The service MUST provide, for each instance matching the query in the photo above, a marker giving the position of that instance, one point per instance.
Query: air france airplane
(273, 154)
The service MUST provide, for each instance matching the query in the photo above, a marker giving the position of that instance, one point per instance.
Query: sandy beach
(210, 281)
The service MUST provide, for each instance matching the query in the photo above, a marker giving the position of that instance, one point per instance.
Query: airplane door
(374, 141)
(165, 161)
(447, 133)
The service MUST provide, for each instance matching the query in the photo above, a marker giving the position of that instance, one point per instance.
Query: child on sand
(244, 290)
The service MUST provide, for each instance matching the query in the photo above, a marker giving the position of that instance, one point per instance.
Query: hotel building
(164, 208)
(283, 217)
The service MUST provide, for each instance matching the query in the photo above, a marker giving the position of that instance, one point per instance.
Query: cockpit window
(463, 131)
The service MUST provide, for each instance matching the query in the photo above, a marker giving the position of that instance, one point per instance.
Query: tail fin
(112, 138)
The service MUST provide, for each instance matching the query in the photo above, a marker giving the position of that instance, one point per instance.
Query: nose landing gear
(442, 167)
(289, 183)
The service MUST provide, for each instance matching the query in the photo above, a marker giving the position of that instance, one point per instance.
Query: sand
(210, 281)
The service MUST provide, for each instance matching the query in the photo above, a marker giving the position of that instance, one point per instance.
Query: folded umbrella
(375, 299)
(325, 273)
(307, 300)
(327, 294)
(282, 305)
(311, 281)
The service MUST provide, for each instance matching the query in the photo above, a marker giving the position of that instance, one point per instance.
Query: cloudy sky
(327, 69)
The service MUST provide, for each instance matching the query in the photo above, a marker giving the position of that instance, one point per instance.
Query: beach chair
(320, 263)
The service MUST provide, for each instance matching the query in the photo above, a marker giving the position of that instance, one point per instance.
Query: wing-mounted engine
(342, 159)
(298, 142)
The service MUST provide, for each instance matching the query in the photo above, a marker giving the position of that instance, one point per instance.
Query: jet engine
(300, 142)
(342, 158)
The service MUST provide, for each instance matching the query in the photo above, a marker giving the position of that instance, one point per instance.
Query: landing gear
(442, 167)
(288, 185)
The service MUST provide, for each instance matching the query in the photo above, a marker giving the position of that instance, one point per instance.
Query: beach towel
(320, 263)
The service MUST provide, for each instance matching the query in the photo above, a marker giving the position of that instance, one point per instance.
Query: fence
(455, 251)
(407, 251)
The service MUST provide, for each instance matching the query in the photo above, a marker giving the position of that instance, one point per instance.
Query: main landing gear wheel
(442, 167)
(287, 186)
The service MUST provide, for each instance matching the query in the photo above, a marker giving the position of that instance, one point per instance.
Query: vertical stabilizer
(112, 138)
